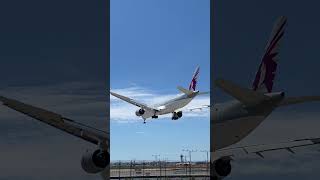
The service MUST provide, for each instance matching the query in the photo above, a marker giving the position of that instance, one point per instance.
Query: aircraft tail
(193, 83)
(185, 91)
(264, 78)
(246, 96)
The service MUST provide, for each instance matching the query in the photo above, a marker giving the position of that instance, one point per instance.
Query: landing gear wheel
(174, 116)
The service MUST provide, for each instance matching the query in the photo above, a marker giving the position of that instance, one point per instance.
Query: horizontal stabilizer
(297, 100)
(199, 108)
(185, 91)
(202, 93)
(246, 96)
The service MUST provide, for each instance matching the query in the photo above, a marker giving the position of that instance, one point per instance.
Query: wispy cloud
(140, 132)
(124, 112)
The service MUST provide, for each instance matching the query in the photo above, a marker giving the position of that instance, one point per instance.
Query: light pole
(207, 162)
(156, 156)
(189, 151)
(165, 168)
(156, 159)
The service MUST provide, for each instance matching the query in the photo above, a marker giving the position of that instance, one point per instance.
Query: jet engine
(140, 112)
(95, 161)
(176, 115)
(221, 168)
(179, 114)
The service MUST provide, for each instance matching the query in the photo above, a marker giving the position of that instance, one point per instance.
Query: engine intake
(140, 112)
(95, 161)
(179, 114)
(222, 167)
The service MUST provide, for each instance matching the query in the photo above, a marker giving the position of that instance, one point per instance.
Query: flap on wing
(244, 95)
(297, 100)
(259, 149)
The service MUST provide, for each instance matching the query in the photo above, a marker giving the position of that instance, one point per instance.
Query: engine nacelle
(176, 115)
(221, 168)
(95, 161)
(179, 114)
(140, 112)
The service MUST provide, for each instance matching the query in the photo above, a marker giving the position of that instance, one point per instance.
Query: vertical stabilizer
(193, 83)
(264, 78)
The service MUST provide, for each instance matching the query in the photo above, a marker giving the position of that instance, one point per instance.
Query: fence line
(158, 169)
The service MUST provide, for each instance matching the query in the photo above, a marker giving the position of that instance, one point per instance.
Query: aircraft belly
(147, 114)
(232, 131)
(173, 106)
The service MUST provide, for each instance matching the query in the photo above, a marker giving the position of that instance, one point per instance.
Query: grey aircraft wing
(260, 149)
(134, 102)
(72, 127)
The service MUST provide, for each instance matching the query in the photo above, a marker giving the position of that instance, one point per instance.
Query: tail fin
(193, 83)
(264, 78)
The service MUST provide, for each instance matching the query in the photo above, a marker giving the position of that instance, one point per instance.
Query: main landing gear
(153, 117)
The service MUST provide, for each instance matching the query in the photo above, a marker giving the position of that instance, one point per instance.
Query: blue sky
(155, 46)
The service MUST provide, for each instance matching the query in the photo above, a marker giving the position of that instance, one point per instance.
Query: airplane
(171, 106)
(92, 161)
(232, 121)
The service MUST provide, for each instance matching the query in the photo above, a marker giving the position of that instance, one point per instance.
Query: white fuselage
(170, 106)
(232, 121)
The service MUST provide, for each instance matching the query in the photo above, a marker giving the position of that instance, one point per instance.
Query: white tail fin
(193, 83)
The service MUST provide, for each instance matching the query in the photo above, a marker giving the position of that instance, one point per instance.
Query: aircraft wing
(260, 149)
(77, 129)
(134, 102)
(199, 108)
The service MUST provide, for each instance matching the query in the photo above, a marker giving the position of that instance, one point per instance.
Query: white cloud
(140, 132)
(124, 112)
